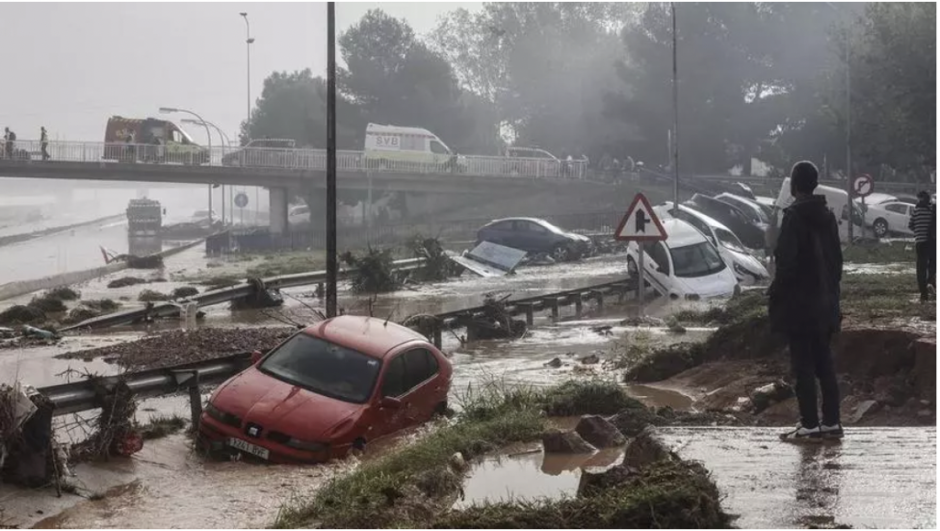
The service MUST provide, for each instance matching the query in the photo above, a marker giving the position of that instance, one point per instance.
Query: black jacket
(804, 296)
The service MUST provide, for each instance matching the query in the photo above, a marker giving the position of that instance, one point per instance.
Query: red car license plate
(249, 448)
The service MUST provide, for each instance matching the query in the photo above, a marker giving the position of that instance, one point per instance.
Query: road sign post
(863, 186)
(241, 201)
(641, 226)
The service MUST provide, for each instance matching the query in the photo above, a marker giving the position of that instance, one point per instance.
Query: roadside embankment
(885, 357)
(17, 238)
(418, 485)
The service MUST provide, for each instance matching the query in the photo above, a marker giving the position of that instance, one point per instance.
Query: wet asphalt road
(876, 478)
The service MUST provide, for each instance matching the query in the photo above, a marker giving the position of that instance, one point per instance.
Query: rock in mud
(772, 393)
(599, 432)
(590, 359)
(565, 442)
(631, 422)
(555, 363)
(645, 450)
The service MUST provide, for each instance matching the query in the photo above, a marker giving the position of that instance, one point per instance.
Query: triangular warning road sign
(640, 223)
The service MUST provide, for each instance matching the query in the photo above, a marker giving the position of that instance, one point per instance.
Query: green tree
(293, 105)
(893, 71)
(396, 79)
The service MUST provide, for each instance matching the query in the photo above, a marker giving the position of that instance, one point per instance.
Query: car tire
(880, 227)
(561, 253)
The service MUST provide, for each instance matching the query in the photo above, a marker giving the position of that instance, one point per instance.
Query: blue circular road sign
(241, 200)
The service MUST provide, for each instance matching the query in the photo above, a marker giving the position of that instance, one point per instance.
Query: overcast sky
(71, 66)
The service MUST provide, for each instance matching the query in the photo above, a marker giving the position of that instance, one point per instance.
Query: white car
(746, 268)
(298, 214)
(888, 218)
(686, 264)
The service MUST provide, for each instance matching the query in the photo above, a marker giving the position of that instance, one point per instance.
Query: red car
(333, 386)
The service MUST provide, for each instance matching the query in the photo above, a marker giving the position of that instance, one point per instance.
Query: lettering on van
(387, 142)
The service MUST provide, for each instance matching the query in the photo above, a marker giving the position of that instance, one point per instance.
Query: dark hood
(813, 211)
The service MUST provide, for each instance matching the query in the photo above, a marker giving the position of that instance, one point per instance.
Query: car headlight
(225, 418)
(740, 270)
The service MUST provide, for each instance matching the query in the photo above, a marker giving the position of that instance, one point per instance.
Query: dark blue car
(536, 236)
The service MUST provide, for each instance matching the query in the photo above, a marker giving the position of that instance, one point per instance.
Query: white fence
(289, 159)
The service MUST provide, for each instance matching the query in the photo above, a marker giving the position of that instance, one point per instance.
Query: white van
(838, 202)
(687, 265)
(391, 147)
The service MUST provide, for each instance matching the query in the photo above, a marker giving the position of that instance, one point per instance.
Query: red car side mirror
(256, 357)
(390, 403)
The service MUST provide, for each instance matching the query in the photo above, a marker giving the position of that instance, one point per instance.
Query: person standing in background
(44, 142)
(924, 225)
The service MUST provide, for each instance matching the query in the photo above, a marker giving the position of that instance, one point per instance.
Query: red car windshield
(324, 368)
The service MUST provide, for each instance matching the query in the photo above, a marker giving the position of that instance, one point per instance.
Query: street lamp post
(331, 159)
(223, 141)
(248, 41)
(169, 110)
(675, 108)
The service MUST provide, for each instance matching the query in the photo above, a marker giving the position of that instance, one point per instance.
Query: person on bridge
(804, 301)
(44, 142)
(923, 224)
(9, 138)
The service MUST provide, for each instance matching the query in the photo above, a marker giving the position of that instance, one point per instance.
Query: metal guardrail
(290, 159)
(218, 296)
(85, 395)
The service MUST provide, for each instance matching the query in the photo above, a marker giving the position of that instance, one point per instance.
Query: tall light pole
(331, 159)
(170, 110)
(248, 41)
(675, 108)
(848, 129)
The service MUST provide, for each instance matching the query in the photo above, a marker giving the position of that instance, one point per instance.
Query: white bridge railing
(288, 159)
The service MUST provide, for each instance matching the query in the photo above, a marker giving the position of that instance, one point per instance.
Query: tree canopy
(764, 81)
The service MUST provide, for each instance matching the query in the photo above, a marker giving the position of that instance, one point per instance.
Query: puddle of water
(659, 397)
(529, 474)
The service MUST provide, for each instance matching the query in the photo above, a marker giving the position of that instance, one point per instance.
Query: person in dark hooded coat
(804, 301)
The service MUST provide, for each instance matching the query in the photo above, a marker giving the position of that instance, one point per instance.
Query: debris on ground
(590, 359)
(140, 262)
(126, 281)
(495, 322)
(149, 295)
(178, 346)
(260, 297)
(554, 364)
(27, 453)
(113, 432)
(489, 259)
(39, 333)
(183, 292)
(374, 271)
(437, 264)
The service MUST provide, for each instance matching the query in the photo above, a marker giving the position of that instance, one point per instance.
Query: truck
(144, 218)
(150, 140)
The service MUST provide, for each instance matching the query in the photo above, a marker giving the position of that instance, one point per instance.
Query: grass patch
(220, 282)
(748, 304)
(161, 426)
(20, 314)
(408, 487)
(63, 293)
(48, 304)
(879, 253)
(149, 295)
(666, 494)
(870, 297)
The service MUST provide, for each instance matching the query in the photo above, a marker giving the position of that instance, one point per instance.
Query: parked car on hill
(731, 216)
(336, 385)
(747, 268)
(686, 264)
(889, 218)
(534, 235)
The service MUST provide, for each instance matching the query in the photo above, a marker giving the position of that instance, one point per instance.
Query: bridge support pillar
(278, 208)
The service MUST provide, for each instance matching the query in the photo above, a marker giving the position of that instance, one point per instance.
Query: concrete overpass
(425, 186)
